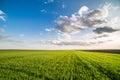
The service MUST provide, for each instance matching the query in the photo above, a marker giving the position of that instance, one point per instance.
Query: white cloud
(86, 40)
(83, 10)
(65, 42)
(85, 18)
(66, 26)
(43, 11)
(100, 13)
(49, 29)
(63, 37)
(2, 16)
(1, 12)
(114, 23)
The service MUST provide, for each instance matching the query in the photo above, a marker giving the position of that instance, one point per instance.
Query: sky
(59, 24)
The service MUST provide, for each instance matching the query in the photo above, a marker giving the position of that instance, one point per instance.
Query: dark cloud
(91, 23)
(93, 13)
(104, 30)
(97, 14)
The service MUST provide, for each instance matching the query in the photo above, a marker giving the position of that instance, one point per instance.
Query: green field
(59, 65)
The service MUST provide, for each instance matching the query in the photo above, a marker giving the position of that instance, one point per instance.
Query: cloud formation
(99, 14)
(43, 11)
(85, 18)
(83, 10)
(77, 42)
(101, 30)
(99, 36)
(49, 29)
(2, 16)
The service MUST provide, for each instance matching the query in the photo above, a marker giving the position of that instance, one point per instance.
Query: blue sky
(38, 22)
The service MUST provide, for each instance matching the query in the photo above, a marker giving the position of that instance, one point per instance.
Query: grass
(58, 65)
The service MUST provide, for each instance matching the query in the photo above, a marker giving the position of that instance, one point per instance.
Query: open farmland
(58, 65)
